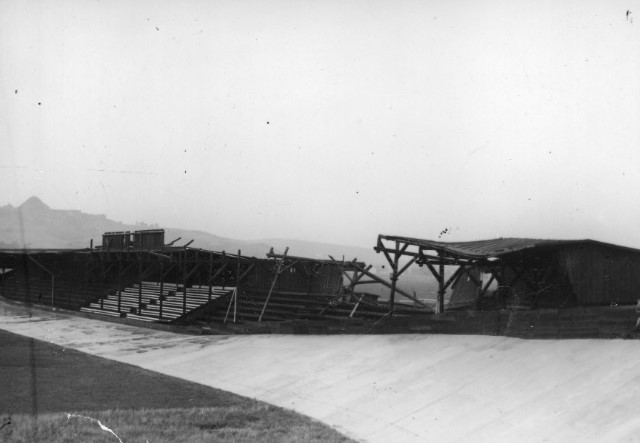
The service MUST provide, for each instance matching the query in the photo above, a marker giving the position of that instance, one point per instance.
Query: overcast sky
(328, 120)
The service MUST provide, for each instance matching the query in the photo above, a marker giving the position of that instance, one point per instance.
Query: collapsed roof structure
(529, 273)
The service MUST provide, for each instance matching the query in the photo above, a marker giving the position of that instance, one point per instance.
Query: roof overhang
(475, 251)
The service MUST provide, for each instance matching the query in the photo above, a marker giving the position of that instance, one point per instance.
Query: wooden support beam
(344, 273)
(246, 272)
(149, 268)
(353, 311)
(195, 268)
(432, 269)
(386, 254)
(289, 266)
(129, 267)
(388, 285)
(394, 278)
(232, 300)
(472, 277)
(434, 259)
(495, 272)
(353, 281)
(487, 285)
(171, 243)
(441, 290)
(357, 277)
(482, 293)
(453, 277)
(157, 254)
(441, 256)
(405, 267)
(273, 283)
(367, 282)
(220, 270)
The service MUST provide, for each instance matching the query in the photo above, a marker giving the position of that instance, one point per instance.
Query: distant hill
(33, 224)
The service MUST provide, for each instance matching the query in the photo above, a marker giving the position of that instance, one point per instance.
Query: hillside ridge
(34, 224)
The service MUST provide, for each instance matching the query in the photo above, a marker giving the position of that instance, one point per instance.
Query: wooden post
(394, 278)
(235, 292)
(235, 304)
(102, 291)
(224, 261)
(392, 295)
(184, 284)
(231, 300)
(210, 291)
(161, 289)
(273, 283)
(441, 290)
(139, 284)
(119, 281)
(353, 311)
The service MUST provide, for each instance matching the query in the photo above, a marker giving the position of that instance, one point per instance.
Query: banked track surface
(393, 387)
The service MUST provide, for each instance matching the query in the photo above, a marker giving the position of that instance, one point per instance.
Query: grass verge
(51, 394)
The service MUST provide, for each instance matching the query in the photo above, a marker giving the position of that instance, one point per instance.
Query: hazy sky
(328, 120)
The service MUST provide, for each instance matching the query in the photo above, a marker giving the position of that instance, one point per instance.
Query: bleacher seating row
(283, 305)
(145, 302)
(298, 305)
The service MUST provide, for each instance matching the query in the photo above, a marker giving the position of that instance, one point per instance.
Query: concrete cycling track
(383, 388)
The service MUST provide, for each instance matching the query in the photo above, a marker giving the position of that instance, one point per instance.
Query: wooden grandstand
(137, 276)
(523, 287)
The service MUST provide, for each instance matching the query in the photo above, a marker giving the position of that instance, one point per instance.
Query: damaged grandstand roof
(491, 248)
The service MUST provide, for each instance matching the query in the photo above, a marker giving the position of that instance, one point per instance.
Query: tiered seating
(288, 305)
(299, 305)
(282, 306)
(167, 307)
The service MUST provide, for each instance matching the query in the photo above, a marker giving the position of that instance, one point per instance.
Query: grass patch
(258, 422)
(41, 384)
